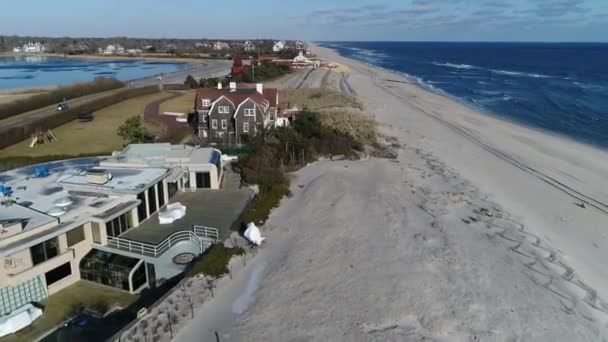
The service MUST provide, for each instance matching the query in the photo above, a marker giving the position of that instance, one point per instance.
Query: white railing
(151, 250)
(207, 233)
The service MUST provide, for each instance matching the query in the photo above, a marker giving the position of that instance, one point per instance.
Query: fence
(201, 235)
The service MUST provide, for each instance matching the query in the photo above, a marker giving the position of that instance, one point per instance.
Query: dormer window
(206, 102)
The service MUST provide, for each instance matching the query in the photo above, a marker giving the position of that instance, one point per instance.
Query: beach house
(232, 115)
(127, 221)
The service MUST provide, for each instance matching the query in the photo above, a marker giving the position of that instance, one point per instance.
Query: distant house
(219, 46)
(278, 46)
(134, 51)
(114, 49)
(231, 116)
(30, 47)
(301, 61)
(248, 46)
(300, 45)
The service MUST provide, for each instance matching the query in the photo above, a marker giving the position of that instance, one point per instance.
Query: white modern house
(106, 220)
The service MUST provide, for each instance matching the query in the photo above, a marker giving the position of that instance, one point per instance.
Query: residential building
(301, 61)
(278, 46)
(248, 46)
(114, 49)
(219, 46)
(99, 219)
(30, 47)
(233, 115)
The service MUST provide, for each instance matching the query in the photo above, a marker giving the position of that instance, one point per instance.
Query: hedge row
(58, 95)
(13, 134)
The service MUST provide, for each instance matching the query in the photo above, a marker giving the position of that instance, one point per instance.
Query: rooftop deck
(211, 208)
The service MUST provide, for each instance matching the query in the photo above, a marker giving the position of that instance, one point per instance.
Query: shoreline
(473, 232)
(472, 106)
(579, 166)
(144, 57)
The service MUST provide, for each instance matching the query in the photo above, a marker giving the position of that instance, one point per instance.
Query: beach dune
(477, 232)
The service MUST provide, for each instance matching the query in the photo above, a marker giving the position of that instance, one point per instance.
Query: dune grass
(97, 136)
(318, 98)
(61, 305)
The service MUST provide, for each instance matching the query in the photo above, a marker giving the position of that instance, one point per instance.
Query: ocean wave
(518, 73)
(496, 71)
(456, 66)
(27, 77)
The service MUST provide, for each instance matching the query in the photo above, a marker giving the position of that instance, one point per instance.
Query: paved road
(173, 128)
(209, 68)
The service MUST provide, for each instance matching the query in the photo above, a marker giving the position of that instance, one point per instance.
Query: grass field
(98, 135)
(182, 104)
(61, 304)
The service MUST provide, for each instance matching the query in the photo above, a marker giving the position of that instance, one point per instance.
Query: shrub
(58, 95)
(214, 262)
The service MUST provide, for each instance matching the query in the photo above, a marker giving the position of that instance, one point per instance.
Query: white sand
(473, 234)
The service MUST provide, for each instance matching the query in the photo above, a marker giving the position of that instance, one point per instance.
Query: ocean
(558, 87)
(33, 71)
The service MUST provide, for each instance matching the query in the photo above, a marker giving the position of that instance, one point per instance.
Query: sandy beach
(476, 232)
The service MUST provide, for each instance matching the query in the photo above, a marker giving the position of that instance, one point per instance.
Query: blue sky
(443, 20)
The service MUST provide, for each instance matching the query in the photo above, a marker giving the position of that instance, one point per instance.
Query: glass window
(58, 273)
(44, 251)
(139, 276)
(152, 199)
(206, 102)
(141, 208)
(75, 236)
(224, 124)
(161, 194)
(246, 127)
(214, 124)
(96, 232)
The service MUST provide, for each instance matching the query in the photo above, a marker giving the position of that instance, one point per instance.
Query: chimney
(219, 86)
(260, 88)
(232, 86)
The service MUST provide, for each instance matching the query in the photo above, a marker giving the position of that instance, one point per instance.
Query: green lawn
(61, 304)
(97, 136)
(182, 104)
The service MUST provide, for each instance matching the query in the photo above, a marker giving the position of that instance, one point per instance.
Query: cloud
(557, 8)
(497, 4)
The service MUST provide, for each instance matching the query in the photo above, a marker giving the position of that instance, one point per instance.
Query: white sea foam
(456, 66)
(518, 73)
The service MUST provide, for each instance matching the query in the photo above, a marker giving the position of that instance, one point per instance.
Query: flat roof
(128, 179)
(159, 154)
(211, 208)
